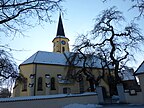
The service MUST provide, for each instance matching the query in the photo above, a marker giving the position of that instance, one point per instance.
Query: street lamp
(47, 85)
(59, 76)
(47, 76)
(30, 85)
(32, 76)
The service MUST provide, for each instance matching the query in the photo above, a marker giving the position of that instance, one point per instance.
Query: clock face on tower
(63, 42)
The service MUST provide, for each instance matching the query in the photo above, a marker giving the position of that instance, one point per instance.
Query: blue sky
(78, 19)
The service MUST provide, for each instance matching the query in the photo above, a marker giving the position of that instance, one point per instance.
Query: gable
(140, 69)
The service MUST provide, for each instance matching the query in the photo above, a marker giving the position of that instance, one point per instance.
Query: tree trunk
(117, 79)
(91, 82)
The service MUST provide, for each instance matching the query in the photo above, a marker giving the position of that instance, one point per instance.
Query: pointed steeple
(60, 29)
(60, 42)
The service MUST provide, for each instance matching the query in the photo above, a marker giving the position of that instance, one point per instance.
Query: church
(44, 73)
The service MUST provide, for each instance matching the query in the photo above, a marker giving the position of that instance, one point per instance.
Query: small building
(45, 73)
(140, 74)
(128, 79)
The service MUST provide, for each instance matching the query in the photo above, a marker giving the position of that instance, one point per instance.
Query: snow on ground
(75, 105)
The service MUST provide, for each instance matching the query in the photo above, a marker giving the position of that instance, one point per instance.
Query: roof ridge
(35, 56)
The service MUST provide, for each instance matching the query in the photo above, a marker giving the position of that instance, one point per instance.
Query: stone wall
(49, 101)
(134, 98)
(129, 96)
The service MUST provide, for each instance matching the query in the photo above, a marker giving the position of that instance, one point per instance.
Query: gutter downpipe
(35, 71)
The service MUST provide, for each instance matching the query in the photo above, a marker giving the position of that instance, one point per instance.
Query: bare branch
(17, 13)
(111, 45)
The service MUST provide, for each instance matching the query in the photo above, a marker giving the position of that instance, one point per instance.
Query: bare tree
(137, 4)
(84, 72)
(16, 15)
(112, 41)
(8, 69)
(118, 43)
(85, 57)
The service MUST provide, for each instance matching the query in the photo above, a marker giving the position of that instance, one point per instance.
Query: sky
(77, 19)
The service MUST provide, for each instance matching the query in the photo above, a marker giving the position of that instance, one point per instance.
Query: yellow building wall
(58, 46)
(41, 70)
(53, 71)
(26, 71)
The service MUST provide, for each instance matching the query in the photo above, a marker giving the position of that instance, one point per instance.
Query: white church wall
(134, 99)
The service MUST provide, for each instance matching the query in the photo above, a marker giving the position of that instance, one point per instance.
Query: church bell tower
(60, 42)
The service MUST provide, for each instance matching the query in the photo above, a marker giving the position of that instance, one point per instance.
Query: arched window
(24, 85)
(81, 86)
(63, 49)
(53, 83)
(39, 84)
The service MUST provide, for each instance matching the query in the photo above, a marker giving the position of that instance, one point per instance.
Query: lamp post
(31, 84)
(59, 76)
(47, 83)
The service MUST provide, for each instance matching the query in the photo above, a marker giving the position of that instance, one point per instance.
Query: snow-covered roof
(127, 75)
(140, 69)
(43, 57)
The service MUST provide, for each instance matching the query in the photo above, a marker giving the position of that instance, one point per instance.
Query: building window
(81, 86)
(66, 90)
(53, 83)
(39, 84)
(24, 85)
(63, 49)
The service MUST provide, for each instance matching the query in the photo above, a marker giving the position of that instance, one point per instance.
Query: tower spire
(60, 42)
(60, 29)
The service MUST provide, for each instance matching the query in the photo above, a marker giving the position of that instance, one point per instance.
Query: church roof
(43, 57)
(140, 69)
(60, 29)
(52, 58)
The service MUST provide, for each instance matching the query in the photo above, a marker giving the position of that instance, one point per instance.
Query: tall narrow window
(24, 85)
(39, 84)
(81, 86)
(63, 49)
(53, 83)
